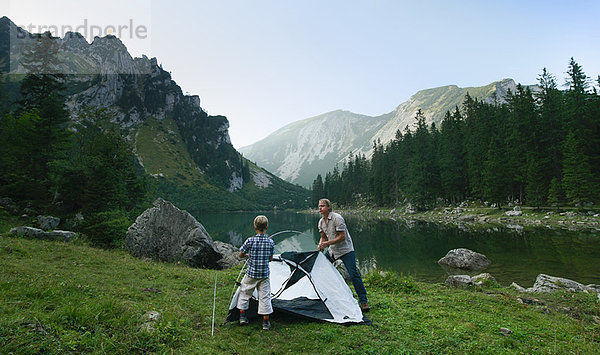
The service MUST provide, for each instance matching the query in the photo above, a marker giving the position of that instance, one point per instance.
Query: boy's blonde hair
(326, 202)
(261, 223)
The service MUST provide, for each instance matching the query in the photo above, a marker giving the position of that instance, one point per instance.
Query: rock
(594, 288)
(41, 234)
(467, 218)
(481, 279)
(546, 283)
(515, 212)
(465, 259)
(505, 331)
(153, 316)
(47, 222)
(229, 255)
(459, 281)
(167, 233)
(517, 287)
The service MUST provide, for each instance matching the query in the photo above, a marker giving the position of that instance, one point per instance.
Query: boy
(259, 249)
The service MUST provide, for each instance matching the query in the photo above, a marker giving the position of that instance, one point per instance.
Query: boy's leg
(349, 261)
(246, 289)
(263, 289)
(264, 302)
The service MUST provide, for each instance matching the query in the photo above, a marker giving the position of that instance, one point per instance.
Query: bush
(106, 229)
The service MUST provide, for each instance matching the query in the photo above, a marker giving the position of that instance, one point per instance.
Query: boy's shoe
(243, 319)
(365, 307)
(266, 325)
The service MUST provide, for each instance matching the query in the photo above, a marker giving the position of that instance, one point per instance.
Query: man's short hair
(261, 223)
(326, 202)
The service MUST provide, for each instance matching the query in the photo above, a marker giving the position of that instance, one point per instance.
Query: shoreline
(478, 218)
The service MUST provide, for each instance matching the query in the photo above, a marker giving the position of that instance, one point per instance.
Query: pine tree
(317, 190)
(43, 104)
(495, 177)
(578, 181)
(550, 128)
(522, 119)
(43, 77)
(423, 172)
(451, 157)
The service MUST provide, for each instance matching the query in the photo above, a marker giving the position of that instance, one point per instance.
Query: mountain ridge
(135, 92)
(289, 152)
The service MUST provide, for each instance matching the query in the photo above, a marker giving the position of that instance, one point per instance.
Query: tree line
(51, 165)
(539, 146)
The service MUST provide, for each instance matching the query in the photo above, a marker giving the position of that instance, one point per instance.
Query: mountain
(187, 151)
(303, 149)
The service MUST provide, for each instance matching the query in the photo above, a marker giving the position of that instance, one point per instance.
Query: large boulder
(166, 233)
(464, 259)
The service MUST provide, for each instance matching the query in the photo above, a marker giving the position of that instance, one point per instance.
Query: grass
(63, 297)
(162, 151)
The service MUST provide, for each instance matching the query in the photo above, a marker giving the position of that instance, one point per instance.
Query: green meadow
(70, 298)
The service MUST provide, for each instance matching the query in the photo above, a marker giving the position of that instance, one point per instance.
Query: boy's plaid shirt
(259, 248)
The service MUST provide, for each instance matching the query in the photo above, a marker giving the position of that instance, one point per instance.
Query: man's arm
(242, 255)
(341, 235)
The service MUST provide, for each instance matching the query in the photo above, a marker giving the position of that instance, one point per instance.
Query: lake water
(516, 256)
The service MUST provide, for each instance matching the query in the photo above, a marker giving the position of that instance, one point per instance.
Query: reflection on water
(414, 248)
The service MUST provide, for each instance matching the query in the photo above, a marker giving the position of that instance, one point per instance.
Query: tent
(307, 284)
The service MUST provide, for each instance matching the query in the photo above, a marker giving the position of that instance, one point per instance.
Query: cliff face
(176, 141)
(133, 90)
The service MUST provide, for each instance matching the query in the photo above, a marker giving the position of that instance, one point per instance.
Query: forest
(50, 165)
(538, 146)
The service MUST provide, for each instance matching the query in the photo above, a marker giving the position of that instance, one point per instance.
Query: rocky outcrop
(167, 233)
(36, 233)
(464, 259)
(546, 283)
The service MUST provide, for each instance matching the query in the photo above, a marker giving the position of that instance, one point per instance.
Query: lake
(516, 256)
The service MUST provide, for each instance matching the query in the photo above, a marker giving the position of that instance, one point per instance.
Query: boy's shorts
(263, 288)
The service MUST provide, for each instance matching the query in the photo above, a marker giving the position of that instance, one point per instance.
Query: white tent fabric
(309, 285)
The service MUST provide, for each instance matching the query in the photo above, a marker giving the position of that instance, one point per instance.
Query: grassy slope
(59, 297)
(162, 151)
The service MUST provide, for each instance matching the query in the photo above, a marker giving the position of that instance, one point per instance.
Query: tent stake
(214, 304)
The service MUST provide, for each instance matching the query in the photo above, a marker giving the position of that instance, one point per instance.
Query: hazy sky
(265, 64)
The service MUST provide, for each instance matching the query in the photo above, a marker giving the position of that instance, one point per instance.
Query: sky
(267, 63)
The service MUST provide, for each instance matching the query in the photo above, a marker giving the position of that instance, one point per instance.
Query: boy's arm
(242, 255)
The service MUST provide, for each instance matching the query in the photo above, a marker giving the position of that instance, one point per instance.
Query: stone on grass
(459, 281)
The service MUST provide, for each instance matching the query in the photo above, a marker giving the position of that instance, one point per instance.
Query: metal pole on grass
(214, 304)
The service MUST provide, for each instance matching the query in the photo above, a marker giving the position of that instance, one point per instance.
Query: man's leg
(349, 261)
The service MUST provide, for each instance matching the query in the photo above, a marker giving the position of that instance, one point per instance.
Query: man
(335, 235)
